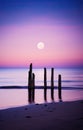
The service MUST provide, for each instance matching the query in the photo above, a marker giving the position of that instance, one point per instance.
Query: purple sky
(57, 23)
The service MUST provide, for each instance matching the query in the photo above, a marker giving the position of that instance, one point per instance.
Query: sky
(56, 23)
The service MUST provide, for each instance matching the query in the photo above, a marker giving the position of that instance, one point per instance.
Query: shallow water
(71, 78)
(18, 97)
(19, 77)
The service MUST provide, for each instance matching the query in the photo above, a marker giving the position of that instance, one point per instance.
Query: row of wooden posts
(31, 83)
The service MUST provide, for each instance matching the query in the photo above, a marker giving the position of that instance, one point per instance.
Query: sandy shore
(48, 116)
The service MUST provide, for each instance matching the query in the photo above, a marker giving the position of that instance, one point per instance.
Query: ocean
(72, 85)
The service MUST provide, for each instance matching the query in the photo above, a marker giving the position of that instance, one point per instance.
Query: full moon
(40, 45)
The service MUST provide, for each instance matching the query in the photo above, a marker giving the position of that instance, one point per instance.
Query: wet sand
(47, 116)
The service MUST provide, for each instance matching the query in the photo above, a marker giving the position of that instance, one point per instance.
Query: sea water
(72, 86)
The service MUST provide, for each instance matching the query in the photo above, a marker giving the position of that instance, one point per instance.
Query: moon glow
(40, 45)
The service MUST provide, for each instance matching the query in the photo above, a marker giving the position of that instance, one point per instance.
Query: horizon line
(39, 67)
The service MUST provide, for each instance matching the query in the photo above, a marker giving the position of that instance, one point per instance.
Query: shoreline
(40, 87)
(56, 115)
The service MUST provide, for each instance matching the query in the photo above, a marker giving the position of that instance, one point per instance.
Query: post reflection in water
(52, 94)
(45, 95)
(31, 95)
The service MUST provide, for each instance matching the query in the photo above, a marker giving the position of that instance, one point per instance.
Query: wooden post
(30, 83)
(30, 76)
(29, 88)
(52, 84)
(45, 85)
(31, 67)
(33, 88)
(29, 79)
(52, 77)
(33, 80)
(45, 78)
(59, 86)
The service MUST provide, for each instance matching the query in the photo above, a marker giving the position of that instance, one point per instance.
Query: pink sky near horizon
(18, 45)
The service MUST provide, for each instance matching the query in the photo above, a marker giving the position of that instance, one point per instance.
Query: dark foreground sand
(52, 116)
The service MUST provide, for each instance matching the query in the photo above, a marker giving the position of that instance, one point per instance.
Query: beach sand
(48, 116)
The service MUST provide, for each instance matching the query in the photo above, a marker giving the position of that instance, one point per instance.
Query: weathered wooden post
(33, 80)
(30, 75)
(52, 83)
(59, 86)
(45, 85)
(33, 88)
(45, 78)
(52, 77)
(30, 83)
(29, 86)
(31, 67)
